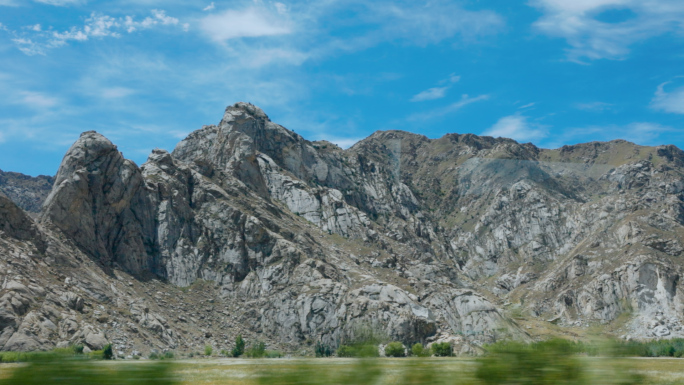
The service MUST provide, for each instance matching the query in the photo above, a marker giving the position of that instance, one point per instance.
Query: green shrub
(395, 349)
(225, 353)
(419, 350)
(273, 354)
(239, 348)
(169, 355)
(154, 356)
(108, 352)
(14, 357)
(78, 349)
(191, 354)
(365, 351)
(442, 349)
(323, 350)
(63, 351)
(256, 350)
(346, 351)
(208, 350)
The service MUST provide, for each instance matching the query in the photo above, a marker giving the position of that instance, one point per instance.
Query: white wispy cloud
(436, 92)
(280, 8)
(36, 40)
(672, 101)
(255, 21)
(36, 100)
(158, 18)
(29, 47)
(451, 108)
(517, 127)
(590, 38)
(431, 22)
(9, 3)
(643, 133)
(116, 92)
(594, 106)
(209, 7)
(60, 3)
(430, 94)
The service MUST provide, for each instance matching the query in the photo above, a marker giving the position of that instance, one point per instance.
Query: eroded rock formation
(246, 227)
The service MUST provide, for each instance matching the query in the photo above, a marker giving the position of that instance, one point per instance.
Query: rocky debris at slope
(26, 191)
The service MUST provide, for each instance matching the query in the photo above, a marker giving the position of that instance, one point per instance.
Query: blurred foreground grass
(550, 363)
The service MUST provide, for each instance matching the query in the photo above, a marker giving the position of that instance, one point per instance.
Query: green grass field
(339, 371)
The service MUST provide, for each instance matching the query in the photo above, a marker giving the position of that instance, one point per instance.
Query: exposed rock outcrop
(26, 191)
(246, 227)
(99, 201)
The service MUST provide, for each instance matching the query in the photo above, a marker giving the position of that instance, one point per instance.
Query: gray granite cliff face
(99, 201)
(26, 191)
(248, 228)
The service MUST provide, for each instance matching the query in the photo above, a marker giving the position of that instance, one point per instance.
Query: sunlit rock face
(247, 228)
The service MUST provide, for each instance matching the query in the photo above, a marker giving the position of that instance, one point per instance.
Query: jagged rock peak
(87, 150)
(161, 157)
(99, 201)
(240, 109)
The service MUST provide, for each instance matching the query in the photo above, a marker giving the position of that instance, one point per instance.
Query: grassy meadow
(380, 371)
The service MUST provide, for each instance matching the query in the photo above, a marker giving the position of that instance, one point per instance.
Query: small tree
(208, 350)
(322, 350)
(419, 351)
(442, 349)
(395, 349)
(108, 352)
(239, 348)
(256, 350)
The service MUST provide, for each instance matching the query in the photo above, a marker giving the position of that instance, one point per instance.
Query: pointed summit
(99, 201)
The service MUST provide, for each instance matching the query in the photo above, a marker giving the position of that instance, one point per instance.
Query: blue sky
(147, 72)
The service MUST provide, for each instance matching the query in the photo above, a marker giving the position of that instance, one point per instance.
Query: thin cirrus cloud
(60, 3)
(116, 92)
(671, 102)
(35, 40)
(250, 22)
(436, 92)
(593, 35)
(430, 94)
(426, 23)
(451, 108)
(644, 133)
(594, 106)
(517, 127)
(36, 100)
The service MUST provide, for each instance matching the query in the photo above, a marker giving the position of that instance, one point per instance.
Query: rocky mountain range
(248, 228)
